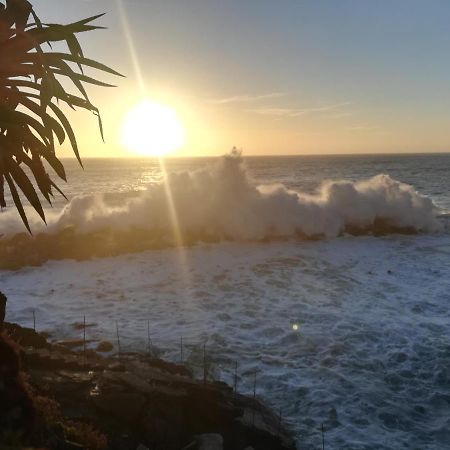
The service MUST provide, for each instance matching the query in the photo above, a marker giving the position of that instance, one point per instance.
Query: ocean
(327, 275)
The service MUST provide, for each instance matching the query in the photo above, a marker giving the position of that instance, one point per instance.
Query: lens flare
(155, 131)
(152, 129)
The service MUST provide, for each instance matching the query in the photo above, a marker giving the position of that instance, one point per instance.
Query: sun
(152, 129)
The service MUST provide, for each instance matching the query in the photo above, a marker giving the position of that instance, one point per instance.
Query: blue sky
(317, 76)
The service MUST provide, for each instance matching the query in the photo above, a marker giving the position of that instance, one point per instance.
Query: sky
(272, 77)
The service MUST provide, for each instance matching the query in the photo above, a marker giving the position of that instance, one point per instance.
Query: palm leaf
(25, 185)
(30, 89)
(17, 201)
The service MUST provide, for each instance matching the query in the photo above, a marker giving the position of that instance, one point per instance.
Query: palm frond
(30, 91)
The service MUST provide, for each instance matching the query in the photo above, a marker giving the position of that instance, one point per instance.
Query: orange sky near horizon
(302, 79)
(212, 129)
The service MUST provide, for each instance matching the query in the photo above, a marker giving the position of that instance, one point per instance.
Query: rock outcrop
(138, 401)
(16, 406)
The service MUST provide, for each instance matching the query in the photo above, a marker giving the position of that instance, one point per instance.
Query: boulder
(104, 347)
(25, 337)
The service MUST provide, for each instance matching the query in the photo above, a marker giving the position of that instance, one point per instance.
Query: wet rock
(104, 347)
(55, 360)
(137, 400)
(82, 325)
(74, 343)
(25, 337)
(123, 405)
(176, 369)
(127, 379)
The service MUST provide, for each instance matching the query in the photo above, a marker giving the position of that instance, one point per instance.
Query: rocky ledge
(142, 402)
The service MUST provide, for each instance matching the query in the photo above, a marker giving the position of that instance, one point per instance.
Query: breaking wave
(221, 202)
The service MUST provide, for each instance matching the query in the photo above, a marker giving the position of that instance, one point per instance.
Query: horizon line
(269, 155)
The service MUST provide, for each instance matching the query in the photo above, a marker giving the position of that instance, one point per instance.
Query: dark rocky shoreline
(24, 250)
(137, 401)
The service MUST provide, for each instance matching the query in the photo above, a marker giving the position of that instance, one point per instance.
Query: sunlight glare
(152, 129)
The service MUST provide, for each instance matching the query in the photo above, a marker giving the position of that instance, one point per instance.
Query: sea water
(352, 332)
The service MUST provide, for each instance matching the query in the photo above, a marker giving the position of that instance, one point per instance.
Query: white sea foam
(371, 353)
(221, 202)
(370, 356)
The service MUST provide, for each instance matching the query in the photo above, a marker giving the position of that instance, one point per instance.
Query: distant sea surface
(427, 173)
(352, 332)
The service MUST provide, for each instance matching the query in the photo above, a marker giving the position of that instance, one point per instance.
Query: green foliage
(31, 94)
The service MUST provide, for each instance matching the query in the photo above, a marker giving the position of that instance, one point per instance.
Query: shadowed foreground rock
(16, 406)
(143, 402)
